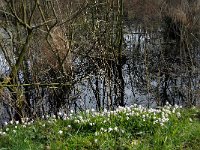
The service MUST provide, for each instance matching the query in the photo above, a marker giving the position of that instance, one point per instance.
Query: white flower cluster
(107, 119)
(108, 130)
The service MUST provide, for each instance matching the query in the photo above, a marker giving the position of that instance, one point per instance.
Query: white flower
(5, 123)
(102, 129)
(23, 120)
(87, 111)
(178, 114)
(14, 131)
(11, 122)
(95, 140)
(24, 126)
(17, 122)
(110, 129)
(96, 133)
(116, 129)
(77, 121)
(60, 132)
(43, 125)
(190, 119)
(15, 127)
(162, 124)
(72, 111)
(122, 131)
(54, 116)
(69, 126)
(7, 129)
(59, 114)
(176, 106)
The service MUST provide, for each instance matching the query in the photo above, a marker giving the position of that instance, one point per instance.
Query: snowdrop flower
(190, 119)
(60, 132)
(15, 127)
(53, 116)
(69, 126)
(43, 125)
(24, 126)
(7, 129)
(72, 111)
(17, 122)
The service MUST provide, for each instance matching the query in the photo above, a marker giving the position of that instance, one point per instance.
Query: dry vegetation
(51, 49)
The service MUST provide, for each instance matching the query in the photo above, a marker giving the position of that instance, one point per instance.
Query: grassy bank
(132, 127)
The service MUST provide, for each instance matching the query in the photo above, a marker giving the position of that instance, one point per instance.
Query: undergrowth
(133, 127)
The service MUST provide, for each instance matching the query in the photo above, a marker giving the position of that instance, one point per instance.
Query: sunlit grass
(133, 127)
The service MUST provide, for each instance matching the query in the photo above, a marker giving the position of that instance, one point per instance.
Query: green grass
(126, 128)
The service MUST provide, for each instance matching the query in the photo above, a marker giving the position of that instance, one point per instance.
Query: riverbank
(133, 127)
